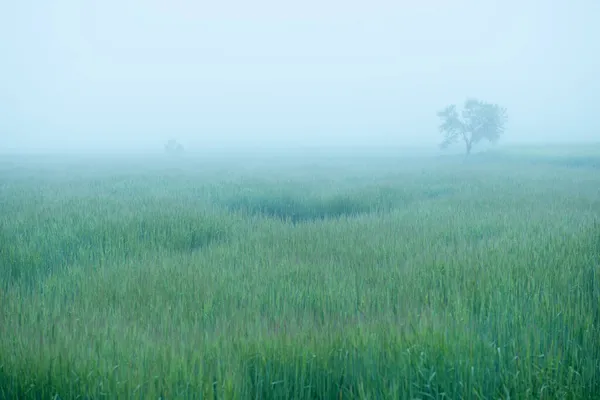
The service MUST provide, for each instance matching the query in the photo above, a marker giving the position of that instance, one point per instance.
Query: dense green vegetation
(367, 278)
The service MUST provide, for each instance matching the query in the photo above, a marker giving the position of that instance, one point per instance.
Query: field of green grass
(344, 278)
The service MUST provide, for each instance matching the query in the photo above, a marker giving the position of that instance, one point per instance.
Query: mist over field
(321, 200)
(120, 77)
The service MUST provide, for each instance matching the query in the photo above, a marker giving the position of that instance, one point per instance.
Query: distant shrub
(173, 147)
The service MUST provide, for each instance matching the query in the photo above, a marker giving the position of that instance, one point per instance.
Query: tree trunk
(469, 145)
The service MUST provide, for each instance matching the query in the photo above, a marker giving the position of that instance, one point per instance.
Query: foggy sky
(133, 73)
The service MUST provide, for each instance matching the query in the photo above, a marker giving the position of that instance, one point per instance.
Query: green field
(300, 278)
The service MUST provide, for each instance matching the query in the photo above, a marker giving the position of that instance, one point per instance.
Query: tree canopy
(477, 121)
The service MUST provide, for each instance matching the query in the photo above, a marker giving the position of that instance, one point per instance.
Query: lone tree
(172, 147)
(478, 120)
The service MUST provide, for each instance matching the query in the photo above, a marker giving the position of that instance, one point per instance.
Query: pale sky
(132, 74)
